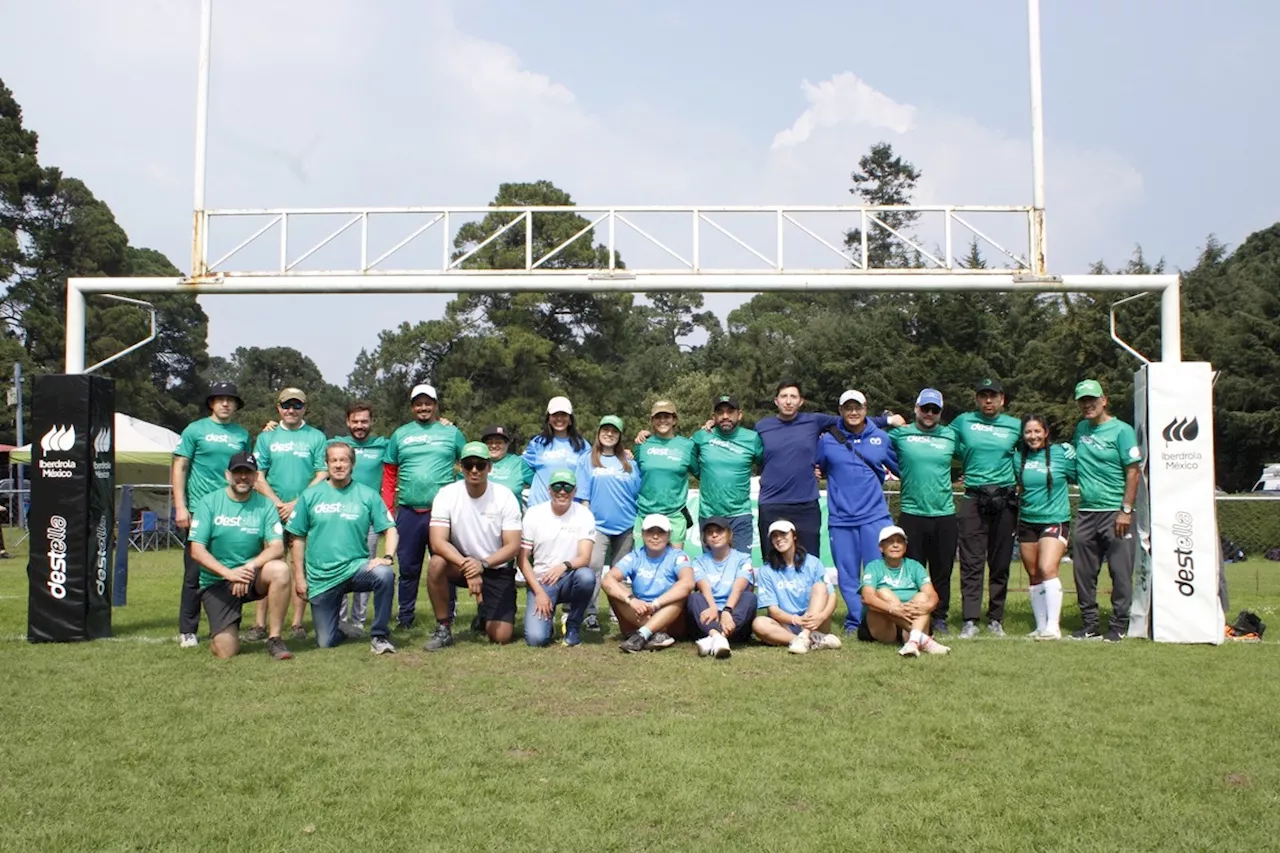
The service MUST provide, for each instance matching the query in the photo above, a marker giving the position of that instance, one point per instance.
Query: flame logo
(1181, 430)
(58, 439)
(102, 441)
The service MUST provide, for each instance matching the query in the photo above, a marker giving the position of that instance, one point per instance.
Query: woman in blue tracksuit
(853, 456)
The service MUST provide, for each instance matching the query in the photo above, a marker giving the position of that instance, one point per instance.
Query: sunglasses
(292, 404)
(561, 488)
(933, 410)
(474, 464)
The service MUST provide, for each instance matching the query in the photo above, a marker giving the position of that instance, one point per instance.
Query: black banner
(72, 508)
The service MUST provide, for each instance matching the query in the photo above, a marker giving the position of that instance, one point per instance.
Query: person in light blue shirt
(558, 447)
(661, 578)
(609, 483)
(722, 604)
(795, 595)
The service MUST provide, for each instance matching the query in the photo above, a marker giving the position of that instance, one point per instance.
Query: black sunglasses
(293, 404)
(561, 487)
(474, 464)
(933, 410)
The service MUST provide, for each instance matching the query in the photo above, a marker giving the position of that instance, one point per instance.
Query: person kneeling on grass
(555, 556)
(237, 541)
(722, 603)
(796, 593)
(661, 579)
(898, 598)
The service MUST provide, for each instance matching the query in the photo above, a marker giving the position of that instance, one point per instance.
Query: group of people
(298, 517)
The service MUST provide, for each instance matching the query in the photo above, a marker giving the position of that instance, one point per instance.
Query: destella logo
(58, 439)
(1179, 429)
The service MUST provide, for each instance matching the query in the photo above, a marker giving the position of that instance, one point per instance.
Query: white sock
(915, 636)
(1036, 591)
(1052, 604)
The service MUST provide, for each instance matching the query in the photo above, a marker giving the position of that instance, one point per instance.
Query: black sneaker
(255, 635)
(659, 640)
(402, 626)
(940, 628)
(278, 650)
(1086, 633)
(1113, 635)
(441, 638)
(633, 643)
(591, 623)
(477, 624)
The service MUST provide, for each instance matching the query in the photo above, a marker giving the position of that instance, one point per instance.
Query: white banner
(1139, 626)
(1177, 435)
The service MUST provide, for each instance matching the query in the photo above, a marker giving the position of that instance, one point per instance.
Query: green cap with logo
(475, 450)
(613, 421)
(564, 475)
(1088, 388)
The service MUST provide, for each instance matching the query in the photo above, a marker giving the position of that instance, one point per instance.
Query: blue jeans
(573, 590)
(379, 579)
(851, 549)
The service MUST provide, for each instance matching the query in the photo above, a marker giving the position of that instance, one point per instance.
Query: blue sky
(1158, 125)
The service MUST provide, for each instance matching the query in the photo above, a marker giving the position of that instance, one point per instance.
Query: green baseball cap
(613, 421)
(475, 450)
(564, 475)
(1088, 388)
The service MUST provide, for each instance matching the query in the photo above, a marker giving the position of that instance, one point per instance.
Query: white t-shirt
(552, 538)
(476, 524)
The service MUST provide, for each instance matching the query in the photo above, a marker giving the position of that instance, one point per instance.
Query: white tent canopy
(144, 451)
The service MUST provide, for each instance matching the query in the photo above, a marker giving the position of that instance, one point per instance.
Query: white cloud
(841, 100)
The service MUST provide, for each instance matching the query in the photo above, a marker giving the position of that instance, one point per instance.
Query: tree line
(498, 357)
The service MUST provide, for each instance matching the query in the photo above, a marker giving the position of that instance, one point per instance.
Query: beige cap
(292, 394)
(663, 406)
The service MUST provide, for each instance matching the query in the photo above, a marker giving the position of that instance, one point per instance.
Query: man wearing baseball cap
(925, 450)
(236, 539)
(660, 579)
(898, 598)
(475, 536)
(506, 469)
(559, 446)
(199, 468)
(556, 541)
(726, 457)
(666, 460)
(988, 517)
(1108, 462)
(421, 458)
(290, 459)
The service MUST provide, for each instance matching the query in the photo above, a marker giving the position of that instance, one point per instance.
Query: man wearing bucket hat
(506, 469)
(421, 459)
(660, 578)
(1108, 462)
(199, 468)
(555, 555)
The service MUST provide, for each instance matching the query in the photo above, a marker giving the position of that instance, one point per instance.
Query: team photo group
(297, 518)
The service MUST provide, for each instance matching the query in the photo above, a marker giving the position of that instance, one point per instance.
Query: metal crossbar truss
(650, 239)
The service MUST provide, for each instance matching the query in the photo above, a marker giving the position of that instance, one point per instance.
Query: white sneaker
(188, 641)
(1033, 635)
(819, 640)
(799, 646)
(1048, 635)
(930, 646)
(909, 649)
(720, 647)
(704, 646)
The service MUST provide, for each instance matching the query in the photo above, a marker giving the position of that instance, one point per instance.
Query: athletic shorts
(497, 593)
(679, 529)
(223, 608)
(864, 633)
(1060, 530)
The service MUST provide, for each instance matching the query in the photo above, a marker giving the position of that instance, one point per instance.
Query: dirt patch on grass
(1236, 780)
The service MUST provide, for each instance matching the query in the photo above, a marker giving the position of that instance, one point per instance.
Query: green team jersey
(290, 458)
(336, 524)
(369, 456)
(426, 455)
(924, 458)
(1045, 498)
(234, 531)
(986, 447)
(209, 446)
(514, 473)
(665, 466)
(725, 464)
(1103, 452)
(905, 581)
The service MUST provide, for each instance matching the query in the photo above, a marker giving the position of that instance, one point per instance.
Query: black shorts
(1060, 530)
(223, 608)
(864, 633)
(498, 594)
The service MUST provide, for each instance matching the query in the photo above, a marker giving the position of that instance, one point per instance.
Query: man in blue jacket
(853, 455)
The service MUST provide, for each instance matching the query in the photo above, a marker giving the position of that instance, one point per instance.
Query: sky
(1153, 112)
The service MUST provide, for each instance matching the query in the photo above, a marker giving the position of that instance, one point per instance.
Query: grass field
(135, 744)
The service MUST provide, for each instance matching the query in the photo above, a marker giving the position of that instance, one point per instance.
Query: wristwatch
(484, 565)
(1126, 509)
(390, 558)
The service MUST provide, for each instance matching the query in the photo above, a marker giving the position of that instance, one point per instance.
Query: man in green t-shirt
(1108, 460)
(236, 540)
(330, 525)
(199, 468)
(290, 458)
(726, 455)
(506, 469)
(988, 516)
(370, 450)
(666, 460)
(925, 451)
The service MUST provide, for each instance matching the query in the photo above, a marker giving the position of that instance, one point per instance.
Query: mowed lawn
(135, 744)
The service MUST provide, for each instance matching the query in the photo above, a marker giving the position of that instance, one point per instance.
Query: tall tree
(884, 178)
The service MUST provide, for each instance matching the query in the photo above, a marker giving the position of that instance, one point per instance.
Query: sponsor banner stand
(1176, 584)
(72, 512)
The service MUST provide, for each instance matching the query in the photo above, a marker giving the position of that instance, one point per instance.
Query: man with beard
(370, 450)
(726, 455)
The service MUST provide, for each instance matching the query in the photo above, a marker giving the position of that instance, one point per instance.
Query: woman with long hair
(798, 593)
(1044, 520)
(608, 482)
(559, 446)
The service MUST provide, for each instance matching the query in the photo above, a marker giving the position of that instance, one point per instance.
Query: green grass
(134, 744)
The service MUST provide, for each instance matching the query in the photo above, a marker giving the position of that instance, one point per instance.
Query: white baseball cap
(853, 395)
(421, 389)
(781, 526)
(891, 531)
(656, 519)
(559, 404)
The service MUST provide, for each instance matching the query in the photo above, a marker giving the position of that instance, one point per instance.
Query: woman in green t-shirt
(1044, 519)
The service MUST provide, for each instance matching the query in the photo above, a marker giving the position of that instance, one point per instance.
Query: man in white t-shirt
(474, 537)
(555, 559)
